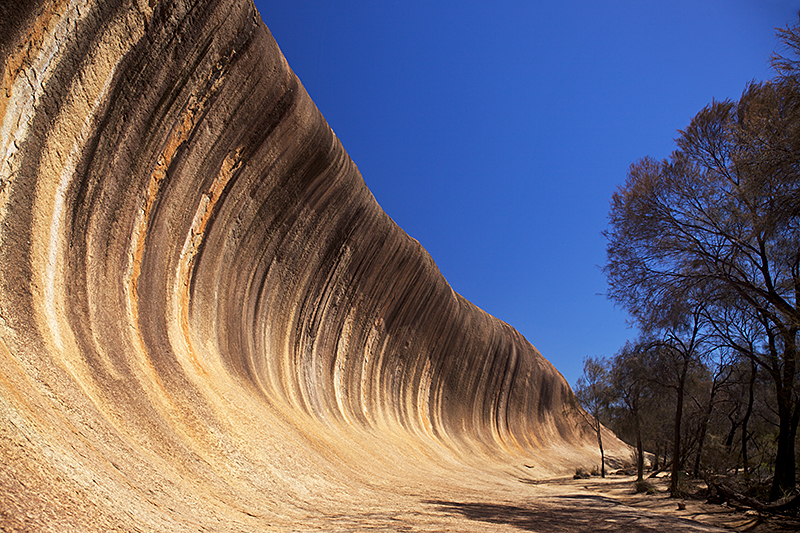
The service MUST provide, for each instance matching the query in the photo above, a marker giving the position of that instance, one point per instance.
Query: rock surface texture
(207, 323)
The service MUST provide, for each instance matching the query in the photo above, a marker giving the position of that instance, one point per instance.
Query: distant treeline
(704, 253)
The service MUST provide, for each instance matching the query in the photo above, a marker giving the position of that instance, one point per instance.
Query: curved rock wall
(206, 319)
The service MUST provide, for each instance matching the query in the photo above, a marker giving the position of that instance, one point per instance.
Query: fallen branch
(752, 503)
(654, 473)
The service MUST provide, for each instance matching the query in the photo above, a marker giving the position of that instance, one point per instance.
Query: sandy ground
(561, 505)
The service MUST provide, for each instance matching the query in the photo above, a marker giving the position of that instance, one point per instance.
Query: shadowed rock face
(206, 320)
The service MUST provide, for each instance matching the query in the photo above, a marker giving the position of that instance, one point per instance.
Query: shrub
(581, 473)
(644, 486)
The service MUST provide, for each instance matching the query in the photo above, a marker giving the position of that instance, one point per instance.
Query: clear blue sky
(494, 133)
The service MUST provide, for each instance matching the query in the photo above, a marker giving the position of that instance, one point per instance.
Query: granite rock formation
(206, 320)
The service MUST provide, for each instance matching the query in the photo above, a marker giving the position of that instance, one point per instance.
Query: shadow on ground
(569, 514)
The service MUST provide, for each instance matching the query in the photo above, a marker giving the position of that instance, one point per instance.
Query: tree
(592, 392)
(722, 216)
(747, 332)
(739, 400)
(718, 370)
(678, 351)
(629, 377)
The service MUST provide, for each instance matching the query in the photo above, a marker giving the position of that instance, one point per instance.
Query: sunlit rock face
(206, 320)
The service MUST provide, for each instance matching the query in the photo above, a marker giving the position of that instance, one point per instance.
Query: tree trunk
(639, 456)
(602, 454)
(703, 430)
(639, 447)
(731, 434)
(699, 456)
(746, 419)
(657, 463)
(676, 443)
(784, 479)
